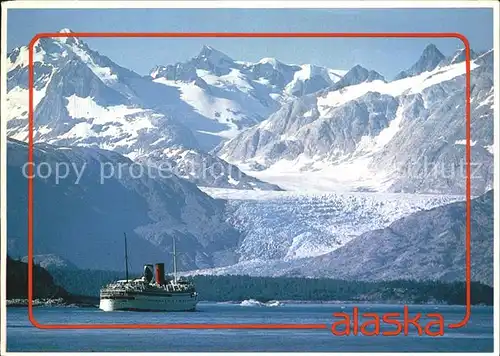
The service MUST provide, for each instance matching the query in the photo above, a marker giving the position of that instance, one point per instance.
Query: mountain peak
(357, 68)
(458, 57)
(357, 75)
(430, 58)
(431, 48)
(206, 48)
(212, 54)
(70, 40)
(268, 60)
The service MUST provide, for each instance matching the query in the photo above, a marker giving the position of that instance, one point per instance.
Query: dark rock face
(43, 283)
(83, 219)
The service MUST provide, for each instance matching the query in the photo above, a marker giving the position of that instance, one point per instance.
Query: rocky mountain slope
(215, 122)
(276, 122)
(83, 215)
(84, 98)
(405, 135)
(172, 117)
(428, 243)
(235, 95)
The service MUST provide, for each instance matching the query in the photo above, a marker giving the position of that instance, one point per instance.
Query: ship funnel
(148, 273)
(160, 273)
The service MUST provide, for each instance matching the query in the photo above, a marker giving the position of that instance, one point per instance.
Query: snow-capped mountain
(364, 133)
(83, 98)
(82, 216)
(357, 75)
(232, 95)
(222, 123)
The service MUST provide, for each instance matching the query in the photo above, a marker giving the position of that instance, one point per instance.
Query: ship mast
(175, 261)
(126, 257)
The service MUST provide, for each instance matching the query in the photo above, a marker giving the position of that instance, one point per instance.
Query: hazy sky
(388, 56)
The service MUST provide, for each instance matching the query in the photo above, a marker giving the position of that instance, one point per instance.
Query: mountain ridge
(104, 195)
(83, 98)
(258, 128)
(376, 135)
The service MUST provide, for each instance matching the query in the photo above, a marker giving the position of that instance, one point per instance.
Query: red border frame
(239, 35)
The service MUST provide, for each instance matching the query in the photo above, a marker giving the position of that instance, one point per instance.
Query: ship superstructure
(150, 294)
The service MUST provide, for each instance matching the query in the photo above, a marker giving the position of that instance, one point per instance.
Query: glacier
(293, 225)
(427, 244)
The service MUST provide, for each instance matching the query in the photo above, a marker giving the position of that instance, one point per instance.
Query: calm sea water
(22, 336)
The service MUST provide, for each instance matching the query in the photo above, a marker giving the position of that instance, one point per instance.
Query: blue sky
(388, 56)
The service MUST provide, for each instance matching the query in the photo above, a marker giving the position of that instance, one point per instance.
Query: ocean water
(22, 336)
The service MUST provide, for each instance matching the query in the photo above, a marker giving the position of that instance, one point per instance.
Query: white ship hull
(144, 302)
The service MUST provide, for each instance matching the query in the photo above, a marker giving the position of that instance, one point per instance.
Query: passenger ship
(148, 293)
